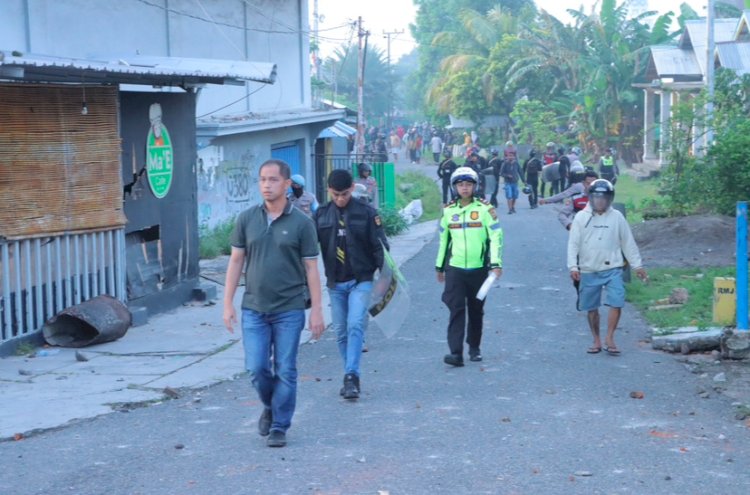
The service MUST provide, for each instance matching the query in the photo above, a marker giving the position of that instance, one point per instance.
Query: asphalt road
(538, 416)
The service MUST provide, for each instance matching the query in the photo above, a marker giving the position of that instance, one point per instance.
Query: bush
(393, 222)
(732, 174)
(215, 241)
(415, 185)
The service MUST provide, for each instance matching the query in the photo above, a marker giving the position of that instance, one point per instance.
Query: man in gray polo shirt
(280, 246)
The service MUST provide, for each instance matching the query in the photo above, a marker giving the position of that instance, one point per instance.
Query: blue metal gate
(290, 153)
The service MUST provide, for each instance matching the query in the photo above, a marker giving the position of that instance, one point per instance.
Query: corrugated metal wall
(40, 277)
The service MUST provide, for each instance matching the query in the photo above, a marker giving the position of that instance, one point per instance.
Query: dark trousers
(493, 199)
(610, 176)
(461, 287)
(447, 194)
(554, 187)
(533, 183)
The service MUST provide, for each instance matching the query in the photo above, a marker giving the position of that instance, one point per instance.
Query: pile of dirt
(692, 241)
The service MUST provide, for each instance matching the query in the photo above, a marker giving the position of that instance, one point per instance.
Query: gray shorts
(592, 284)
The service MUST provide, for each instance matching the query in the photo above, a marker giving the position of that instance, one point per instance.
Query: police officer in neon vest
(608, 168)
(471, 245)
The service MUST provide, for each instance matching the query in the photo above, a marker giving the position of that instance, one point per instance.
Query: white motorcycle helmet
(462, 174)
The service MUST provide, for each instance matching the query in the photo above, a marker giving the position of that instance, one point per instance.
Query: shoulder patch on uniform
(378, 222)
(493, 213)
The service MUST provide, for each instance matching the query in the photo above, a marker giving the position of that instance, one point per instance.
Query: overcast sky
(395, 15)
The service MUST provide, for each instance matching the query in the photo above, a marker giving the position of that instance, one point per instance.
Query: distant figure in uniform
(444, 171)
(302, 199)
(365, 178)
(608, 168)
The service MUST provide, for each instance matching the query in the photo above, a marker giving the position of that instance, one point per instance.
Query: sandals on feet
(594, 350)
(612, 351)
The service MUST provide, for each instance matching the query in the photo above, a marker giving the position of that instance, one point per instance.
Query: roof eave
(218, 129)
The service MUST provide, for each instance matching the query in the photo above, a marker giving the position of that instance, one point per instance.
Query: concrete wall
(255, 30)
(228, 169)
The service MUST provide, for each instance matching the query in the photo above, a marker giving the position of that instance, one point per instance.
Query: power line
(236, 26)
(232, 103)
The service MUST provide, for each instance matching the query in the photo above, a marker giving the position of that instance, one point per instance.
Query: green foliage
(216, 241)
(534, 123)
(490, 59)
(339, 74)
(415, 185)
(714, 183)
(729, 157)
(433, 17)
(642, 199)
(698, 311)
(393, 223)
(25, 349)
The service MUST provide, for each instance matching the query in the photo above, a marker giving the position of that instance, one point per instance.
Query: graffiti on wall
(227, 184)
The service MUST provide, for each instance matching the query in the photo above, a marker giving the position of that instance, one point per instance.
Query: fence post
(742, 265)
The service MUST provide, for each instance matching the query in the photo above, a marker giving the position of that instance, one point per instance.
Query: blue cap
(298, 179)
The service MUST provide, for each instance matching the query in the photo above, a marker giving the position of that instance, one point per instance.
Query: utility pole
(362, 35)
(316, 20)
(710, 48)
(388, 34)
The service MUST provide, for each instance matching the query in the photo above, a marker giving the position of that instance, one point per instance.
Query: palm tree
(470, 65)
(340, 78)
(593, 62)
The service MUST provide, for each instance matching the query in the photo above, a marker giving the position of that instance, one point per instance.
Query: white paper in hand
(486, 286)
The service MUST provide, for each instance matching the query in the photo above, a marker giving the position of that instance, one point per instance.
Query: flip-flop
(594, 350)
(612, 351)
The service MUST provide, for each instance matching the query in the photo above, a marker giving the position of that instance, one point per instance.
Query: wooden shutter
(59, 170)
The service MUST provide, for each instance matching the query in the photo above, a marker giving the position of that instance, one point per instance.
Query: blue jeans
(511, 190)
(349, 303)
(273, 334)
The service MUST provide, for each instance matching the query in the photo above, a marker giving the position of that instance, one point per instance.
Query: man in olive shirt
(281, 248)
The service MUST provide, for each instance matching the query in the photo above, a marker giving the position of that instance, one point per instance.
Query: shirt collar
(287, 208)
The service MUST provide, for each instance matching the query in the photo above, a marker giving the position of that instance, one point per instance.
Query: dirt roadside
(700, 241)
(693, 241)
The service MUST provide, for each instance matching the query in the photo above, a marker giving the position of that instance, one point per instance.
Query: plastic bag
(389, 299)
(411, 212)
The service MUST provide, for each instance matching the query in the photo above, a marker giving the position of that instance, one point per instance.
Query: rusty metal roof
(139, 69)
(734, 56)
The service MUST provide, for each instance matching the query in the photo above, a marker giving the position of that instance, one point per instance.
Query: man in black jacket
(351, 239)
(531, 170)
(444, 171)
(493, 169)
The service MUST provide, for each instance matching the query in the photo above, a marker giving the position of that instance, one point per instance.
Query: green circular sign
(159, 161)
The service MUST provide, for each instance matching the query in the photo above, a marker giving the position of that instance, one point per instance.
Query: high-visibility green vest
(466, 235)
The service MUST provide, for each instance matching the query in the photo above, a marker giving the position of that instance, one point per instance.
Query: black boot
(454, 359)
(351, 386)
